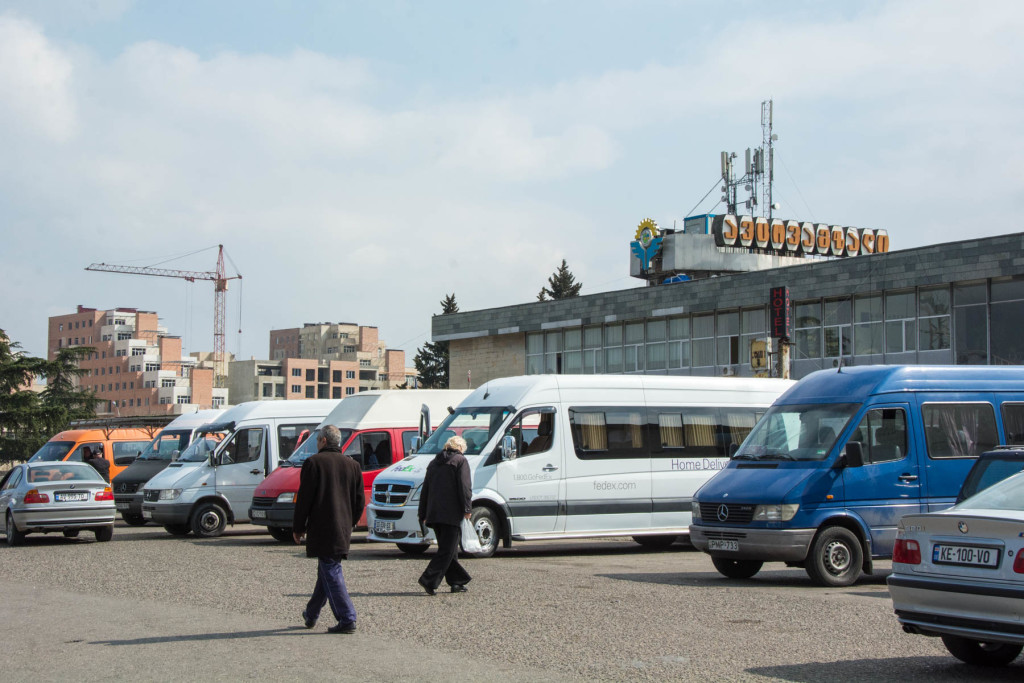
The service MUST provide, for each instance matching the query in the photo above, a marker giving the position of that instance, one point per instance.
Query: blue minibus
(823, 479)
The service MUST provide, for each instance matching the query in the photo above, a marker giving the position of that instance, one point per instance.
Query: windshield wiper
(777, 455)
(744, 456)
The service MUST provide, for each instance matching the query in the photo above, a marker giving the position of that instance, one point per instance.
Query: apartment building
(136, 368)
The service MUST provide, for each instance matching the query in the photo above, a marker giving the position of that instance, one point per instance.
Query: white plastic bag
(470, 541)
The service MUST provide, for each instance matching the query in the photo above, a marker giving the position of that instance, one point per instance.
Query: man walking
(328, 504)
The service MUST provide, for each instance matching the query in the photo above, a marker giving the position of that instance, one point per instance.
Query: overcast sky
(360, 160)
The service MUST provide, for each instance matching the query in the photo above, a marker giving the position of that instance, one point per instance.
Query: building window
(970, 323)
(296, 389)
(335, 375)
(1007, 312)
(868, 327)
(613, 348)
(167, 383)
(267, 390)
(279, 390)
(137, 351)
(593, 358)
(350, 374)
(152, 367)
(702, 342)
(752, 327)
(296, 372)
(933, 321)
(632, 352)
(900, 322)
(657, 333)
(335, 392)
(572, 359)
(364, 363)
(60, 327)
(310, 392)
(183, 399)
(350, 349)
(837, 328)
(217, 401)
(728, 338)
(534, 353)
(310, 375)
(349, 391)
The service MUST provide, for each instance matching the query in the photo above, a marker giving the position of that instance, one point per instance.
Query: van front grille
(727, 513)
(390, 494)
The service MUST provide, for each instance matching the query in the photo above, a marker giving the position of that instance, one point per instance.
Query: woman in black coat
(445, 500)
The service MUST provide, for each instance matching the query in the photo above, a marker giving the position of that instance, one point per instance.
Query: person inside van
(98, 462)
(542, 441)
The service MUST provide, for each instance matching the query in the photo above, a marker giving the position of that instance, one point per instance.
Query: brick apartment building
(318, 360)
(136, 368)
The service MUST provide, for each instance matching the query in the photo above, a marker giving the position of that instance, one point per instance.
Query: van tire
(656, 542)
(981, 653)
(413, 548)
(736, 569)
(488, 529)
(283, 534)
(209, 520)
(177, 529)
(836, 557)
(134, 520)
(104, 533)
(14, 537)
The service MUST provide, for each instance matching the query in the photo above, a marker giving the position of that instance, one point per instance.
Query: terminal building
(850, 301)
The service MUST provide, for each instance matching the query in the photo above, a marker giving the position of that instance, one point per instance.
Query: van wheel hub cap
(837, 557)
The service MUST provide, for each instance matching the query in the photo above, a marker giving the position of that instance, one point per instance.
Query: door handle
(908, 477)
(258, 471)
(549, 468)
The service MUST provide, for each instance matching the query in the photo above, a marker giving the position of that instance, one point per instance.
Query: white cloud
(34, 80)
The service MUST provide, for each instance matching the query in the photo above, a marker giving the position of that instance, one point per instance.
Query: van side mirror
(734, 448)
(174, 455)
(415, 445)
(508, 448)
(853, 455)
(124, 460)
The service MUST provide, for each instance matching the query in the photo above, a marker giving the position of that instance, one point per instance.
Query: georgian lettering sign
(795, 238)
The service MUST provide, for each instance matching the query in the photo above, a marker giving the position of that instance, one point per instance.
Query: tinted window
(700, 432)
(288, 437)
(128, 449)
(608, 432)
(959, 430)
(372, 450)
(882, 435)
(989, 471)
(1013, 423)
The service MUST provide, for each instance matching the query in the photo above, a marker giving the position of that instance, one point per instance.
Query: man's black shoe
(342, 628)
(310, 623)
(430, 591)
(459, 588)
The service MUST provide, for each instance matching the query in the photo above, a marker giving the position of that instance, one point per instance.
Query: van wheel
(736, 569)
(14, 537)
(487, 529)
(981, 653)
(282, 534)
(134, 520)
(71, 533)
(413, 548)
(209, 520)
(656, 542)
(104, 533)
(835, 558)
(177, 529)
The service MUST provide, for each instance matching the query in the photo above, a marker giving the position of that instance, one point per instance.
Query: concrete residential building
(136, 368)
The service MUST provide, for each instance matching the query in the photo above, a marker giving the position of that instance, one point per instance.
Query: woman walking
(445, 500)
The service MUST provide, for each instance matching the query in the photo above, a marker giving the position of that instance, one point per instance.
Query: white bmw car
(959, 574)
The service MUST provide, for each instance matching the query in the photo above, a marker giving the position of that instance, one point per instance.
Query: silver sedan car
(45, 497)
(959, 574)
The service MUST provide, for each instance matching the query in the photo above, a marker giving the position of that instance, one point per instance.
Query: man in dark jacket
(98, 462)
(445, 500)
(328, 504)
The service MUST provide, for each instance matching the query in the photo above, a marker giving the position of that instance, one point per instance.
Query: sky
(361, 160)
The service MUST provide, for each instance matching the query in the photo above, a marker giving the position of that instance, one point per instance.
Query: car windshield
(987, 472)
(475, 425)
(308, 448)
(164, 445)
(52, 451)
(201, 447)
(62, 472)
(1005, 495)
(796, 432)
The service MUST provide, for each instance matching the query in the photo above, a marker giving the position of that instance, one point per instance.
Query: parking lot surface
(148, 606)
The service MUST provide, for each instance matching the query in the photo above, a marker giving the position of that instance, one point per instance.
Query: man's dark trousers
(446, 562)
(330, 588)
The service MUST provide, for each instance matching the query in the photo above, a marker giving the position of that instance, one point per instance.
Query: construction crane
(220, 287)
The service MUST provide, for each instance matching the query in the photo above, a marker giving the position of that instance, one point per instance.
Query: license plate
(147, 514)
(718, 544)
(70, 497)
(966, 555)
(382, 527)
(259, 514)
(122, 506)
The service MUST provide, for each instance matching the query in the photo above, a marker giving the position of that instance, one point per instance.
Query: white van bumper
(395, 524)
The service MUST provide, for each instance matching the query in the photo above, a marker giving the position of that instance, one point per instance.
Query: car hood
(281, 480)
(745, 482)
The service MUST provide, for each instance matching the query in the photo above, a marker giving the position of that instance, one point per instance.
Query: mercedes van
(378, 428)
(575, 456)
(825, 476)
(169, 443)
(202, 492)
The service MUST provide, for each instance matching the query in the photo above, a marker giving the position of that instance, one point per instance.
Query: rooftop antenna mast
(756, 179)
(767, 138)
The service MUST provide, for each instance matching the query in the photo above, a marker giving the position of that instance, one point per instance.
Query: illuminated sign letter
(824, 239)
(725, 230)
(762, 234)
(881, 241)
(838, 241)
(778, 234)
(746, 231)
(807, 238)
(867, 241)
(852, 241)
(792, 237)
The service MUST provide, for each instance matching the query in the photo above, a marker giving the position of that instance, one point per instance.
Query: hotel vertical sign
(780, 314)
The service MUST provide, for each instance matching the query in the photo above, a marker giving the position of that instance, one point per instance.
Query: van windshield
(201, 447)
(308, 448)
(52, 451)
(164, 445)
(797, 432)
(475, 425)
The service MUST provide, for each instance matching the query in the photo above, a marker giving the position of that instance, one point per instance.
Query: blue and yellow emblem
(647, 242)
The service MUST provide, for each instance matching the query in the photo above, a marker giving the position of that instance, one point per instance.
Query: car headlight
(775, 513)
(695, 507)
(286, 497)
(169, 494)
(415, 495)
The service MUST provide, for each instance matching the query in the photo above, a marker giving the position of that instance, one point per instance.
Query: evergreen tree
(561, 285)
(431, 359)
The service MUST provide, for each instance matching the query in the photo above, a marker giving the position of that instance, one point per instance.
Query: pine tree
(561, 285)
(432, 358)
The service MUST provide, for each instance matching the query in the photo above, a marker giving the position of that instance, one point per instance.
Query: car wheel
(71, 533)
(104, 533)
(209, 520)
(177, 529)
(656, 542)
(981, 653)
(836, 557)
(134, 520)
(282, 534)
(487, 530)
(736, 569)
(413, 548)
(14, 537)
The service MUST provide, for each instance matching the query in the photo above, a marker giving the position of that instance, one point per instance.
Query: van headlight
(775, 513)
(286, 497)
(695, 507)
(169, 494)
(415, 495)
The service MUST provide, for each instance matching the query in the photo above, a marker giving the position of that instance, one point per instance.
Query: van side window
(533, 431)
(372, 450)
(608, 432)
(76, 456)
(700, 432)
(288, 437)
(407, 437)
(882, 434)
(1013, 423)
(959, 430)
(246, 446)
(126, 451)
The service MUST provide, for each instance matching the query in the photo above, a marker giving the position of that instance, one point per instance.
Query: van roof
(114, 434)
(195, 419)
(315, 408)
(394, 408)
(854, 384)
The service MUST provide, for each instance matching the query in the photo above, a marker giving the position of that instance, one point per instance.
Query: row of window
(75, 325)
